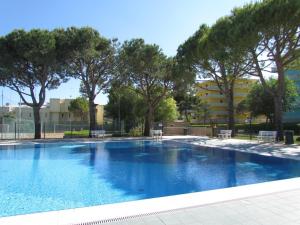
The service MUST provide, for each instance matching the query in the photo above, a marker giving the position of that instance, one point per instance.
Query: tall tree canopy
(211, 53)
(91, 59)
(270, 32)
(166, 110)
(149, 71)
(31, 63)
(126, 105)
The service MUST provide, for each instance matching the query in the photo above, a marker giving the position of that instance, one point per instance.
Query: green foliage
(131, 107)
(79, 106)
(91, 59)
(260, 102)
(212, 53)
(189, 54)
(255, 128)
(142, 63)
(145, 68)
(295, 65)
(166, 110)
(202, 111)
(270, 43)
(128, 103)
(30, 64)
(135, 132)
(119, 134)
(81, 133)
(251, 25)
(242, 107)
(9, 116)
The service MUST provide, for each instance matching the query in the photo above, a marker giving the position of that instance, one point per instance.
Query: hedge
(256, 127)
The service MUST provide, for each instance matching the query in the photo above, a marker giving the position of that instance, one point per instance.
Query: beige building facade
(209, 93)
(56, 112)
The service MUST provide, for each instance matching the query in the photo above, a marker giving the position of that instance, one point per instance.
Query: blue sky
(167, 23)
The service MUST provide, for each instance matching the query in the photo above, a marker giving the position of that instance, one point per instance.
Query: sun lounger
(157, 134)
(98, 133)
(225, 134)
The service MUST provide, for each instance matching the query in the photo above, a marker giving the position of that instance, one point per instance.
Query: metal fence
(13, 129)
(16, 129)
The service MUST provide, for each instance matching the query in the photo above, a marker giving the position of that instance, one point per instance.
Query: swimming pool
(45, 177)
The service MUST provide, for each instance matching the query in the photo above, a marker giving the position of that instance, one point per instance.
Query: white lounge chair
(225, 134)
(98, 133)
(156, 134)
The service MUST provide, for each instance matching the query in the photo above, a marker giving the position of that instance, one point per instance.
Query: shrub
(255, 128)
(81, 133)
(119, 134)
(135, 132)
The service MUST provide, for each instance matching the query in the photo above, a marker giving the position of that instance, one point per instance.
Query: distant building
(56, 112)
(209, 92)
(293, 115)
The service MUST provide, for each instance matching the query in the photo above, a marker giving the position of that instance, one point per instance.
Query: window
(221, 101)
(221, 93)
(30, 115)
(206, 94)
(62, 115)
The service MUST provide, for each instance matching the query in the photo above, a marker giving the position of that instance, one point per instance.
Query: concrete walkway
(276, 209)
(270, 149)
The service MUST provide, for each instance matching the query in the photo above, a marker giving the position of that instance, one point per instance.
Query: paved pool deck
(271, 203)
(274, 209)
(252, 146)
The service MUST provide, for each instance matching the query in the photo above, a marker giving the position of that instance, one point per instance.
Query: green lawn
(81, 133)
(295, 137)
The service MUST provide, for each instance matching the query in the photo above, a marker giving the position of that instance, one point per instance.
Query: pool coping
(118, 211)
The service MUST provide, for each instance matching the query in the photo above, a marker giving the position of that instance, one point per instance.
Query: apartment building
(209, 92)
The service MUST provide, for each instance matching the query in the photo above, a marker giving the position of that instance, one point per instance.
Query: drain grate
(130, 217)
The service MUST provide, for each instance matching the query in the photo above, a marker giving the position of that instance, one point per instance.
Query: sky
(167, 23)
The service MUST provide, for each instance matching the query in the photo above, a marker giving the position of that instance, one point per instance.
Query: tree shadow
(153, 169)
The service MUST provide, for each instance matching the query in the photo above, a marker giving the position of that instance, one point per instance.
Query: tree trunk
(278, 100)
(186, 115)
(149, 121)
(278, 117)
(37, 122)
(92, 112)
(230, 110)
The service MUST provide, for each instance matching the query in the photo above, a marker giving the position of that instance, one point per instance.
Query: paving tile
(278, 209)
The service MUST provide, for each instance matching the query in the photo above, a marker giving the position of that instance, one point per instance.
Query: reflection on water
(59, 176)
(170, 168)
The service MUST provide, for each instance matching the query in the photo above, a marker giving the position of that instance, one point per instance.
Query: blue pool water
(44, 177)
